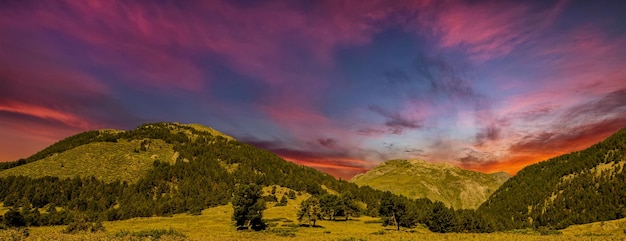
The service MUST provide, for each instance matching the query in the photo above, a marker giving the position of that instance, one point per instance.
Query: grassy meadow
(215, 224)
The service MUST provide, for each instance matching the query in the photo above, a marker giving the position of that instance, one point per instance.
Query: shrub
(282, 202)
(14, 218)
(92, 227)
(82, 224)
(548, 231)
(283, 232)
(270, 198)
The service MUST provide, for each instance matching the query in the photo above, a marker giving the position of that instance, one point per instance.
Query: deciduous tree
(310, 211)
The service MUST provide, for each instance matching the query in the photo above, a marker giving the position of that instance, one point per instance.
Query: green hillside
(168, 168)
(124, 160)
(455, 187)
(108, 155)
(580, 187)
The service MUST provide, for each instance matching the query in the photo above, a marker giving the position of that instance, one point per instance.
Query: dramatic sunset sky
(337, 85)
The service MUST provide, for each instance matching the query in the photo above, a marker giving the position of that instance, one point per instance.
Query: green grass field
(215, 224)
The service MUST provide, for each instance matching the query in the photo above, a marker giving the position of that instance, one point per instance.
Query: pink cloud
(574, 98)
(588, 58)
(45, 98)
(486, 30)
(266, 41)
(118, 35)
(53, 92)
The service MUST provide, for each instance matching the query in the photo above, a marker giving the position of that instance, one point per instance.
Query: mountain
(580, 187)
(455, 187)
(157, 169)
(108, 155)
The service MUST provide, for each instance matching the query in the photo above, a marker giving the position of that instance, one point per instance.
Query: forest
(580, 187)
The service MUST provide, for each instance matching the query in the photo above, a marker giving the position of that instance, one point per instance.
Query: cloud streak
(396, 122)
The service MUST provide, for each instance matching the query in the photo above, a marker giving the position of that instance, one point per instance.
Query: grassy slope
(208, 129)
(606, 229)
(438, 182)
(107, 161)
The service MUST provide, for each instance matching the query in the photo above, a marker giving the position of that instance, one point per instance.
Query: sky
(340, 86)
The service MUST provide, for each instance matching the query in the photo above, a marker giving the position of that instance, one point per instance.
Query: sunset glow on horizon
(340, 86)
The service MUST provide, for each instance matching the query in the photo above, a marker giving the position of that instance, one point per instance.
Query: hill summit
(455, 187)
(109, 154)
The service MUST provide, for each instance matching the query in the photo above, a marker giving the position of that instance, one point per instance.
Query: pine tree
(392, 209)
(248, 207)
(442, 219)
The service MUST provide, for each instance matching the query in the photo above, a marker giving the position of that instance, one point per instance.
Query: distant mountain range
(455, 187)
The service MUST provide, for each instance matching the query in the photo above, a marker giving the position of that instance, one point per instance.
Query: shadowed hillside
(581, 187)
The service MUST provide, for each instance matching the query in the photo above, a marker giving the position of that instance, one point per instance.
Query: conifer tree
(248, 207)
(392, 209)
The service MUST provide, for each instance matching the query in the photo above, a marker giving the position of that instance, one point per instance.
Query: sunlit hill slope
(458, 188)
